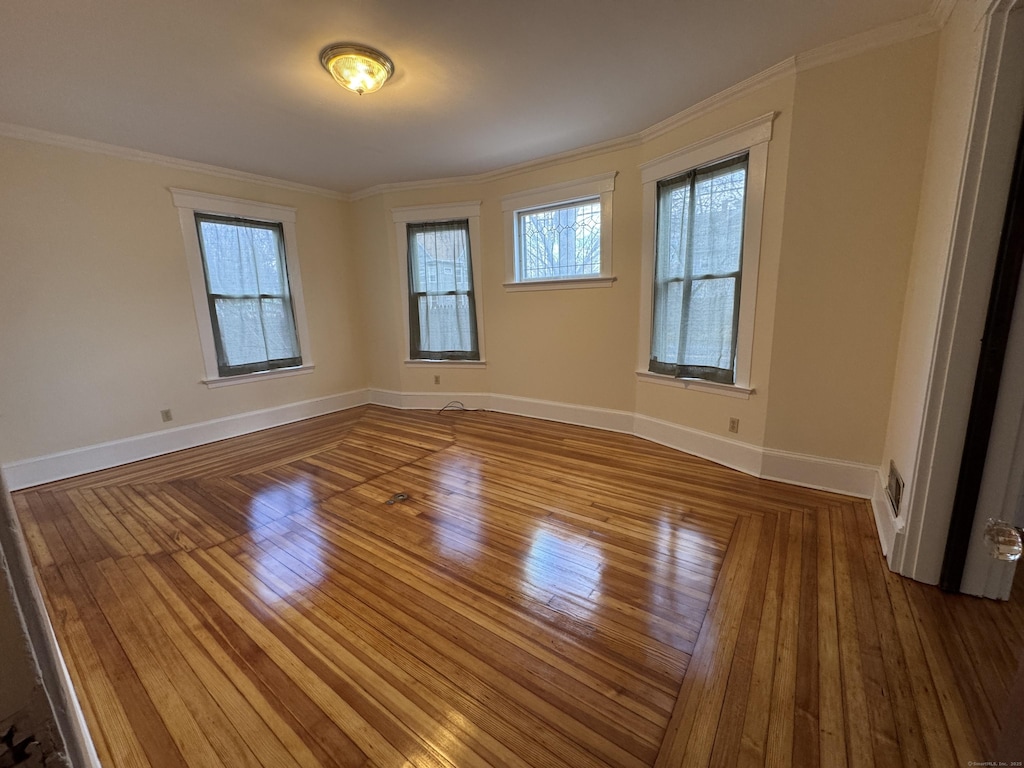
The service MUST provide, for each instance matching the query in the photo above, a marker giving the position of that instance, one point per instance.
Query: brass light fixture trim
(357, 68)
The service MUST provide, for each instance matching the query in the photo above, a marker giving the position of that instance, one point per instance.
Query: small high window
(560, 236)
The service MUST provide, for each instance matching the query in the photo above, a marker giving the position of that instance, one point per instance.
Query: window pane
(668, 311)
(228, 253)
(718, 221)
(560, 242)
(446, 324)
(709, 323)
(439, 257)
(241, 332)
(279, 329)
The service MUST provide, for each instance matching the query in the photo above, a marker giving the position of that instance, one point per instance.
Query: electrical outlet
(165, 415)
(734, 425)
(437, 380)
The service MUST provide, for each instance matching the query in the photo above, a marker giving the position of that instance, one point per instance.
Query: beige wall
(860, 128)
(702, 410)
(98, 326)
(845, 166)
(99, 323)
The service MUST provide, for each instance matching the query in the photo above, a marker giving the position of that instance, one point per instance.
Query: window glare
(560, 242)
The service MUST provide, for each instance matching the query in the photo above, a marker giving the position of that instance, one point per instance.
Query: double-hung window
(438, 248)
(702, 233)
(698, 272)
(560, 236)
(442, 307)
(243, 263)
(247, 289)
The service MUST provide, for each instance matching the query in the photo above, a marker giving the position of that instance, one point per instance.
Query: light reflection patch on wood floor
(547, 595)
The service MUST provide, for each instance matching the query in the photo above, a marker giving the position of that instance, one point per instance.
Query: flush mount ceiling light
(356, 67)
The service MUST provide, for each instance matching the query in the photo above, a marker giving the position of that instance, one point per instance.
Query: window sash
(220, 303)
(686, 284)
(563, 269)
(422, 299)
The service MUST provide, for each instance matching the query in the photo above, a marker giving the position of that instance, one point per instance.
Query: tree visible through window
(698, 270)
(560, 242)
(247, 287)
(442, 310)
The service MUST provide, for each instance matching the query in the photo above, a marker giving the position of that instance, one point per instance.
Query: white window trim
(188, 204)
(751, 137)
(422, 214)
(566, 192)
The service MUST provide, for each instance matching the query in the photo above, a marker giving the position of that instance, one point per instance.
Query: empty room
(525, 384)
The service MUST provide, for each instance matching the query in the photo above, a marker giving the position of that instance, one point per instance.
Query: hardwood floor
(547, 595)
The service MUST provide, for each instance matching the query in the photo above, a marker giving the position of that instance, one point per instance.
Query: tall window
(703, 208)
(243, 267)
(442, 307)
(698, 272)
(247, 289)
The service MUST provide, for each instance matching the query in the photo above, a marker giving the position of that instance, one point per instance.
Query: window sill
(448, 363)
(729, 390)
(561, 284)
(278, 373)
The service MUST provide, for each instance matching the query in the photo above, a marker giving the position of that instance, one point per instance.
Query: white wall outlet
(734, 425)
(165, 415)
(437, 379)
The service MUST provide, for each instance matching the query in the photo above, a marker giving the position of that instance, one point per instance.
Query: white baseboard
(793, 468)
(834, 475)
(730, 453)
(886, 522)
(581, 415)
(57, 466)
(824, 474)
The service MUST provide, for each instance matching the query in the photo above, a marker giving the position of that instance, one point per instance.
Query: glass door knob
(1003, 539)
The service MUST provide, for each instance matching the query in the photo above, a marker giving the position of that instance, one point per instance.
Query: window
(560, 236)
(242, 261)
(697, 273)
(702, 228)
(442, 313)
(438, 247)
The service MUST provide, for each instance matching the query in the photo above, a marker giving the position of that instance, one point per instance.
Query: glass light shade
(357, 68)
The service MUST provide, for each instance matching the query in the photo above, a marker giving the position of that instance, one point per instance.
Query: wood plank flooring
(547, 595)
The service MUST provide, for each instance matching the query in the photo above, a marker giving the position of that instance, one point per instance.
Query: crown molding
(890, 34)
(880, 37)
(24, 133)
(501, 173)
(916, 26)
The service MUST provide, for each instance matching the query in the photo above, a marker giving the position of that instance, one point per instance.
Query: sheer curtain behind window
(442, 311)
(247, 285)
(698, 272)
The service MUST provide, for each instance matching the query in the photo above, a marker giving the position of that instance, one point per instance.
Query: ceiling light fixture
(356, 67)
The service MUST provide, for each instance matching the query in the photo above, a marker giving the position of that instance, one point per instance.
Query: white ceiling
(479, 84)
